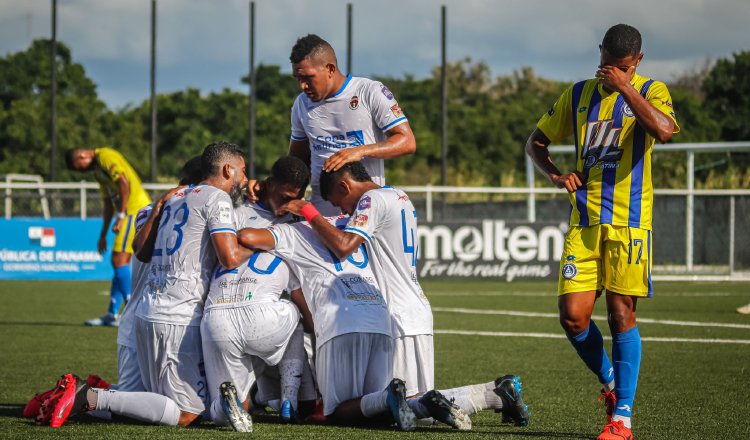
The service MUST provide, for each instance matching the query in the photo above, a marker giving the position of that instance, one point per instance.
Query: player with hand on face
(615, 119)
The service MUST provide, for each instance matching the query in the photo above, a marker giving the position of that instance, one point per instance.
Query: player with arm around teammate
(384, 220)
(246, 319)
(615, 119)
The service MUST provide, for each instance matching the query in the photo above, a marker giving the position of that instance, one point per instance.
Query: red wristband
(309, 212)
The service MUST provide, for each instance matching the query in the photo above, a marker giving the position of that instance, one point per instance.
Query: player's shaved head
(622, 40)
(355, 171)
(314, 48)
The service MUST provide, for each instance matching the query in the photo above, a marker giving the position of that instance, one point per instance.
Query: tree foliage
(489, 119)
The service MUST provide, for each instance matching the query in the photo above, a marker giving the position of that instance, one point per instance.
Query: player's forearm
(260, 239)
(656, 123)
(341, 243)
(394, 146)
(106, 216)
(146, 237)
(538, 151)
(300, 150)
(123, 187)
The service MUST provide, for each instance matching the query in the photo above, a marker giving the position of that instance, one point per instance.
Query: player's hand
(615, 79)
(253, 188)
(116, 227)
(294, 206)
(343, 157)
(101, 246)
(571, 181)
(168, 195)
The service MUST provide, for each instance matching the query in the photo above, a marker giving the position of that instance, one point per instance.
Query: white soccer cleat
(107, 320)
(745, 310)
(239, 419)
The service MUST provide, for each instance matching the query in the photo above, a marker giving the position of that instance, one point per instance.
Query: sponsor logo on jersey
(551, 111)
(225, 212)
(396, 110)
(582, 109)
(386, 92)
(667, 103)
(354, 102)
(360, 220)
(338, 141)
(600, 145)
(403, 197)
(569, 271)
(570, 258)
(364, 203)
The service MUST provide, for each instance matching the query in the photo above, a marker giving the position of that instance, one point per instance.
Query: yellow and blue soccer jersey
(109, 166)
(613, 151)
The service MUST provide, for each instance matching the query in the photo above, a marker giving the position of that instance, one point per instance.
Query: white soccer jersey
(343, 296)
(184, 257)
(358, 114)
(262, 278)
(387, 220)
(126, 330)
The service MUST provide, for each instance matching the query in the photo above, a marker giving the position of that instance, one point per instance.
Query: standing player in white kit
(342, 118)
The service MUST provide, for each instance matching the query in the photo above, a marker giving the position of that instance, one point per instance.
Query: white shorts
(171, 361)
(128, 370)
(414, 363)
(352, 365)
(232, 335)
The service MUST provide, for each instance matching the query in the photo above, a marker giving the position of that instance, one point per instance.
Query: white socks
(474, 398)
(141, 406)
(291, 367)
(374, 404)
(624, 419)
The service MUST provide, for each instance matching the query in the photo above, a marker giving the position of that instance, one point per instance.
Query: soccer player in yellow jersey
(122, 194)
(614, 118)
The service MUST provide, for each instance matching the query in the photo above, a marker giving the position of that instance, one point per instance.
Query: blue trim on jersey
(263, 206)
(295, 138)
(127, 233)
(343, 86)
(358, 232)
(402, 118)
(213, 231)
(609, 175)
(636, 170)
(650, 285)
(577, 91)
(275, 237)
(582, 194)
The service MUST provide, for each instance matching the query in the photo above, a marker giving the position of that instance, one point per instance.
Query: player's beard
(235, 193)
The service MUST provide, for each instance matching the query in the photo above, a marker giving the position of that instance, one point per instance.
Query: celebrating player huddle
(226, 286)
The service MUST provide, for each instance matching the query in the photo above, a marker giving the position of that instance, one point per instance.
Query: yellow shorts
(616, 258)
(124, 238)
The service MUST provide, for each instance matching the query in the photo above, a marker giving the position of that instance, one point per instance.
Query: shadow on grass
(11, 409)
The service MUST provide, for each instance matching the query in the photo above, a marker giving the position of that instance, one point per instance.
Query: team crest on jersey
(569, 271)
(360, 220)
(364, 203)
(354, 102)
(396, 110)
(627, 111)
(386, 92)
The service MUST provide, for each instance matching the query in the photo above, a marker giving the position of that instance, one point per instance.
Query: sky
(204, 43)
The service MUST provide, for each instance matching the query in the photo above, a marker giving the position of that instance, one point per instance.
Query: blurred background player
(615, 119)
(122, 196)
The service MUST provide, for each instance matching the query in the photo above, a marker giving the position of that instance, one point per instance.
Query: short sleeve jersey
(184, 256)
(109, 165)
(357, 114)
(613, 151)
(343, 295)
(262, 278)
(387, 220)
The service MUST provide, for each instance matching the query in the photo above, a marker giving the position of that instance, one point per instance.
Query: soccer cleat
(610, 400)
(35, 404)
(615, 431)
(515, 411)
(745, 310)
(68, 399)
(107, 320)
(239, 419)
(95, 381)
(287, 413)
(396, 401)
(442, 410)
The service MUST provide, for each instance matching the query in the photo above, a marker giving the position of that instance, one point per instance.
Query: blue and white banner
(55, 249)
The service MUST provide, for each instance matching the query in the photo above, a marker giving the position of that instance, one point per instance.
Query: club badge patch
(387, 92)
(569, 271)
(364, 203)
(354, 102)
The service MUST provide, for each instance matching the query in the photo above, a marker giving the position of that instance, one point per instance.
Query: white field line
(553, 293)
(598, 317)
(561, 336)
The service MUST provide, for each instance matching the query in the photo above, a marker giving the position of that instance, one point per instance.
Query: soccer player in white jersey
(245, 315)
(352, 326)
(340, 118)
(385, 219)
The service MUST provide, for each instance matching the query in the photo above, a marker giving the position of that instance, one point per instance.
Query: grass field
(689, 388)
